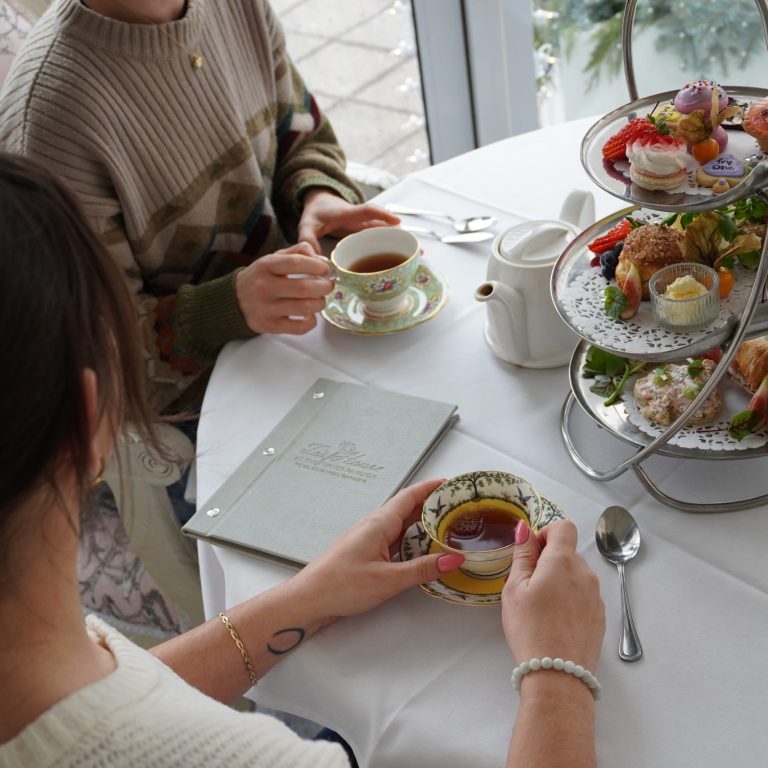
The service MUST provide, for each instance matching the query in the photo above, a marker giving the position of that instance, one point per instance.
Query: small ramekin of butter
(685, 296)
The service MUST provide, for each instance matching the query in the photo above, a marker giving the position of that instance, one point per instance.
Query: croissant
(751, 361)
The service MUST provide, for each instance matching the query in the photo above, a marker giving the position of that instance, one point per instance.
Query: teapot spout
(506, 330)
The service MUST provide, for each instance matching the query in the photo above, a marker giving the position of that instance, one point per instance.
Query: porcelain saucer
(425, 298)
(457, 586)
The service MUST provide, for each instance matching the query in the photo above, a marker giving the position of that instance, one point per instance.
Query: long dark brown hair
(64, 307)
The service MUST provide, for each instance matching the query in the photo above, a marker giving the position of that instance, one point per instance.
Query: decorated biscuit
(725, 168)
(667, 115)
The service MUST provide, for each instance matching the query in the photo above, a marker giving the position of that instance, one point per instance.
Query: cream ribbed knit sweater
(185, 173)
(143, 715)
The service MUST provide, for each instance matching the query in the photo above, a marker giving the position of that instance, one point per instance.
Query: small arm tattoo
(285, 640)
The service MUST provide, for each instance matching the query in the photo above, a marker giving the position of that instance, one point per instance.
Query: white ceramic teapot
(523, 326)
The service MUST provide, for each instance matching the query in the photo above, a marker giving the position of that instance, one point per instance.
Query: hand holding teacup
(283, 291)
(475, 515)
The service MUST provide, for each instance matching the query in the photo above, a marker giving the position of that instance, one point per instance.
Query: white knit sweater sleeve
(143, 715)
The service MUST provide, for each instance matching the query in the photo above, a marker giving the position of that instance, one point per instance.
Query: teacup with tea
(378, 265)
(475, 514)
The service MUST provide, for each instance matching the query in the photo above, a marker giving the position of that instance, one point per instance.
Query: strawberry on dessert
(657, 162)
(616, 147)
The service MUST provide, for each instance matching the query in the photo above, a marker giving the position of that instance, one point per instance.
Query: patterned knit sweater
(142, 715)
(185, 173)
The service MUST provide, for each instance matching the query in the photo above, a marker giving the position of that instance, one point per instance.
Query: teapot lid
(534, 243)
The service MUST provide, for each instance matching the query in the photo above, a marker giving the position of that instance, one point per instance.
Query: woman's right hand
(272, 301)
(551, 604)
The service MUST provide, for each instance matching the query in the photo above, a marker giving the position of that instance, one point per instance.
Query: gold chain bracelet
(240, 647)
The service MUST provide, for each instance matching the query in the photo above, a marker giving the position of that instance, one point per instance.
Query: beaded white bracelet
(569, 667)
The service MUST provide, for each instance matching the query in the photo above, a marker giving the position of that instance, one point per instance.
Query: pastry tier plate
(624, 421)
(457, 586)
(425, 298)
(691, 196)
(578, 293)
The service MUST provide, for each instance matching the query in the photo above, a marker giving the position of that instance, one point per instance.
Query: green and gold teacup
(378, 265)
(475, 514)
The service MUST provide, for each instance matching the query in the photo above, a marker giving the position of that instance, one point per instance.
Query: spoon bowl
(617, 536)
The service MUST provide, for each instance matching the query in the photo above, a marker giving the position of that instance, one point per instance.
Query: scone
(650, 247)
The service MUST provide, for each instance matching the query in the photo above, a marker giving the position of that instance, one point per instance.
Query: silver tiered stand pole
(734, 332)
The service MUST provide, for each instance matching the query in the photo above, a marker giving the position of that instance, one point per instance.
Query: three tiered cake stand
(577, 291)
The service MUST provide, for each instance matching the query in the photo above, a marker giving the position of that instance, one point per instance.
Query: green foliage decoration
(704, 34)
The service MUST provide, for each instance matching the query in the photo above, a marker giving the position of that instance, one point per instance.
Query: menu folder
(340, 452)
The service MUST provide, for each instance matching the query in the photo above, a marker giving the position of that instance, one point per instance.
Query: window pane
(358, 57)
(578, 50)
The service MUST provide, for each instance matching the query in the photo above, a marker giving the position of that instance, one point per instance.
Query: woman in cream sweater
(78, 694)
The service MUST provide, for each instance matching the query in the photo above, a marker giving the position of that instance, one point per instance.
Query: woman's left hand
(356, 573)
(325, 213)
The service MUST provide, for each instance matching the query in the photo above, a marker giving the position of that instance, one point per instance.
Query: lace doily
(708, 437)
(581, 299)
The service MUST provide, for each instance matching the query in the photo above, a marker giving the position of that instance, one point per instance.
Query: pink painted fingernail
(521, 532)
(449, 562)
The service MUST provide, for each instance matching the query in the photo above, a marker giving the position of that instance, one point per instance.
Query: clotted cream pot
(523, 326)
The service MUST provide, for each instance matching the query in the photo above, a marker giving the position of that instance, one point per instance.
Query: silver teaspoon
(618, 540)
(470, 224)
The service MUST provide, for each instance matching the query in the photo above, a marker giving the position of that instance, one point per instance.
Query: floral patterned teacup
(378, 265)
(475, 514)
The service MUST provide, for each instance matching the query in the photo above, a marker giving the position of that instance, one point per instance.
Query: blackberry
(608, 262)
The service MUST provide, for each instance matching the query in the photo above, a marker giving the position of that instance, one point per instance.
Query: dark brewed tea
(377, 262)
(482, 525)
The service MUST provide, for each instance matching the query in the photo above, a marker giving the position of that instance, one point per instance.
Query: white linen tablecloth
(424, 682)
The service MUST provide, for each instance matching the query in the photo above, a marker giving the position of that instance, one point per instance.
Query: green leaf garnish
(612, 370)
(690, 392)
(615, 302)
(749, 260)
(687, 218)
(695, 368)
(660, 123)
(727, 228)
(661, 377)
(742, 424)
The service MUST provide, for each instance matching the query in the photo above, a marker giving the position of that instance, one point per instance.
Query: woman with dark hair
(80, 694)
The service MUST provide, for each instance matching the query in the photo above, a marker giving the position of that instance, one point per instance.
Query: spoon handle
(406, 211)
(629, 643)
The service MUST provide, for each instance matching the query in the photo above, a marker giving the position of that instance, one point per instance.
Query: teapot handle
(529, 238)
(578, 208)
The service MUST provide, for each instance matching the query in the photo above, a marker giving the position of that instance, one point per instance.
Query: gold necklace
(195, 57)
